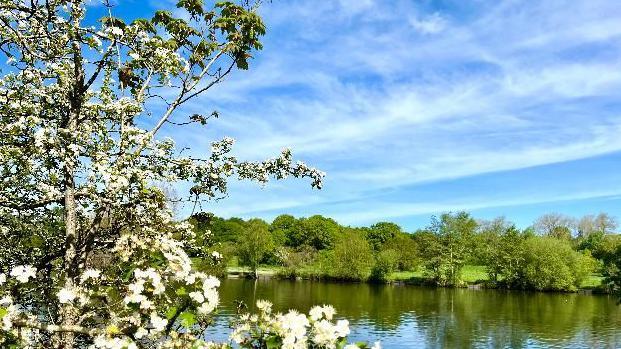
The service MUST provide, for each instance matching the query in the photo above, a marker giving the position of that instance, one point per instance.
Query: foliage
(316, 231)
(551, 264)
(293, 329)
(296, 260)
(254, 244)
(380, 233)
(351, 259)
(407, 250)
(452, 246)
(98, 260)
(612, 270)
(506, 257)
(386, 263)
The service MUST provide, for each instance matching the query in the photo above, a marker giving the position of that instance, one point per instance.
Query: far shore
(474, 277)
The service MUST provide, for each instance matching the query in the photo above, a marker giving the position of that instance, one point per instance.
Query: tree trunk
(68, 313)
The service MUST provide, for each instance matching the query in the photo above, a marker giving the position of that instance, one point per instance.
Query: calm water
(417, 317)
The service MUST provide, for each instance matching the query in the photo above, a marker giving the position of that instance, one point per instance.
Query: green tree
(351, 258)
(226, 230)
(386, 263)
(447, 256)
(379, 233)
(82, 110)
(316, 231)
(611, 270)
(552, 264)
(282, 227)
(255, 244)
(407, 250)
(506, 256)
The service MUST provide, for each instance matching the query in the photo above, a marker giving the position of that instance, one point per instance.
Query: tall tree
(254, 244)
(381, 232)
(454, 232)
(555, 225)
(81, 109)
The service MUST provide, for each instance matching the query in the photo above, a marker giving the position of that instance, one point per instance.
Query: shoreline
(271, 273)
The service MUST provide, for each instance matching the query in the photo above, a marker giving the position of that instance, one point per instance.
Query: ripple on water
(416, 317)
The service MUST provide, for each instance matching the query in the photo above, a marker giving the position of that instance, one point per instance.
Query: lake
(420, 317)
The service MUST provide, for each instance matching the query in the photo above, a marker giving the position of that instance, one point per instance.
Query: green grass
(263, 270)
(592, 281)
(470, 274)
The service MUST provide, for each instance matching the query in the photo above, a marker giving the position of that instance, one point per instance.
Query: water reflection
(415, 317)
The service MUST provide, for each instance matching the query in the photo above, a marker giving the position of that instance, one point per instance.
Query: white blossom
(158, 323)
(23, 272)
(66, 295)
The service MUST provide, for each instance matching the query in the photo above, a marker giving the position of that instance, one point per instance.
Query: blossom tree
(91, 255)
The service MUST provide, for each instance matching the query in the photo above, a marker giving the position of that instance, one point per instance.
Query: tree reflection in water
(419, 317)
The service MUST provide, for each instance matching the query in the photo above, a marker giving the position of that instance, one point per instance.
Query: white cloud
(432, 24)
(355, 89)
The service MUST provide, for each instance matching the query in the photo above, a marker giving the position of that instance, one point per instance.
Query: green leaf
(273, 342)
(170, 313)
(113, 22)
(3, 312)
(187, 319)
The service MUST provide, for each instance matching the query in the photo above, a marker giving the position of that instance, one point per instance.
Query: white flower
(134, 55)
(264, 306)
(141, 332)
(316, 313)
(342, 328)
(136, 287)
(134, 298)
(206, 308)
(23, 272)
(210, 283)
(116, 31)
(146, 304)
(197, 297)
(216, 255)
(66, 295)
(6, 301)
(212, 296)
(351, 346)
(158, 323)
(2, 279)
(90, 274)
(329, 311)
(377, 345)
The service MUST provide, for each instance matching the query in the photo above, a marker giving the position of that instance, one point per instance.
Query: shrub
(295, 261)
(406, 248)
(351, 259)
(386, 263)
(551, 264)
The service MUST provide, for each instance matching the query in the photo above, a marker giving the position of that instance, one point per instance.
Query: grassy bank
(471, 274)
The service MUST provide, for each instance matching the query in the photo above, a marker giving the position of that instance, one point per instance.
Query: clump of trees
(556, 253)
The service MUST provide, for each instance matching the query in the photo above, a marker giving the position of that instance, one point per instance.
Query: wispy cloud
(384, 96)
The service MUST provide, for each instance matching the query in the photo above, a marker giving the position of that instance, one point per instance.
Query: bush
(406, 248)
(551, 264)
(386, 263)
(351, 259)
(296, 261)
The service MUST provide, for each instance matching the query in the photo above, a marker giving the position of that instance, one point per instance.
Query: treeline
(556, 253)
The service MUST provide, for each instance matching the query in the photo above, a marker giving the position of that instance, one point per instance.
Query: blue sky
(413, 108)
